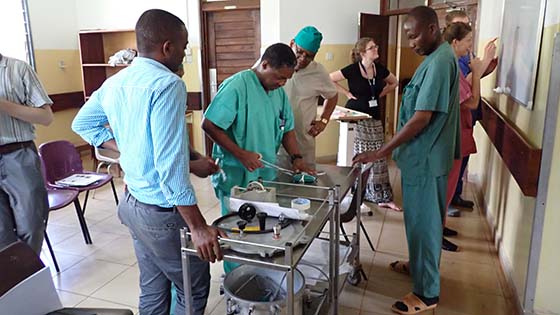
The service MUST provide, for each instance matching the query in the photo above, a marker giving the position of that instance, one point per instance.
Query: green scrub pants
(424, 208)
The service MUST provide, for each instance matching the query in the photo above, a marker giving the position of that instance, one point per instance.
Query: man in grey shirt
(310, 80)
(23, 199)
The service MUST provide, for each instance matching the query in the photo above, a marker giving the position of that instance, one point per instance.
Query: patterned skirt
(369, 137)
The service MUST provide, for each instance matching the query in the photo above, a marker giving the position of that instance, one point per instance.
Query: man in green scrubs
(249, 118)
(424, 147)
(309, 82)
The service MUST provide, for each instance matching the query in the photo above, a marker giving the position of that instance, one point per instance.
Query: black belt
(130, 198)
(11, 147)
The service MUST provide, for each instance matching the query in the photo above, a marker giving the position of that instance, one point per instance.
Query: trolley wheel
(354, 278)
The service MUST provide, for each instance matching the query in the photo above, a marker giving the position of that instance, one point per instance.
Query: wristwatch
(294, 157)
(325, 121)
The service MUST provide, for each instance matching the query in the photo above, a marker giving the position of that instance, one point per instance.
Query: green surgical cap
(309, 38)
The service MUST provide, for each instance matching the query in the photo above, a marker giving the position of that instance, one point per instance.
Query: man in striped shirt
(23, 199)
(145, 106)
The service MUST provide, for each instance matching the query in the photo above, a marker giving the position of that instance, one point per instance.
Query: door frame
(205, 8)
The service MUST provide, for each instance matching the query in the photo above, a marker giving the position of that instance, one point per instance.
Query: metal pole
(359, 212)
(187, 289)
(334, 231)
(336, 215)
(290, 279)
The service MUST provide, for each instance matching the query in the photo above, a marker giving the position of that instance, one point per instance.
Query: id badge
(373, 103)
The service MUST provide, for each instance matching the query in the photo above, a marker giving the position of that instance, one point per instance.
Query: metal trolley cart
(325, 196)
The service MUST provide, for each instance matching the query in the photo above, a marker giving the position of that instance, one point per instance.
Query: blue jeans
(157, 245)
(459, 189)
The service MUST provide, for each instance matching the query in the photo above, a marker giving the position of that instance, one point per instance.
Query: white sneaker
(365, 208)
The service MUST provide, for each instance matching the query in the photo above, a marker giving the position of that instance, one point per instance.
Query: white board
(520, 42)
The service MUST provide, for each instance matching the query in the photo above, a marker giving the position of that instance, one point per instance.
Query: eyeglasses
(372, 47)
(302, 53)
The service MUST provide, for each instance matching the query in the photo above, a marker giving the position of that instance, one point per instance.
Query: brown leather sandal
(413, 305)
(400, 267)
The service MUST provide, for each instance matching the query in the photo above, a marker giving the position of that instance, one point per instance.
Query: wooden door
(231, 42)
(377, 27)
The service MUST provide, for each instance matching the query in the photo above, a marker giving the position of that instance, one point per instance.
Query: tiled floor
(105, 274)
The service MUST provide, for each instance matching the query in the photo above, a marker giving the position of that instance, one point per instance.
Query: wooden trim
(204, 59)
(222, 5)
(385, 9)
(397, 11)
(64, 101)
(194, 100)
(521, 157)
(83, 147)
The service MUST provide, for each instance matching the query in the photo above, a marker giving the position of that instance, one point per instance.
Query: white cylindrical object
(346, 144)
(301, 203)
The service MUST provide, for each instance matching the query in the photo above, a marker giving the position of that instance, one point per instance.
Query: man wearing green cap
(310, 80)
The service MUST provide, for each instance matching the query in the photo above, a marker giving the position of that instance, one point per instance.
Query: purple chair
(58, 199)
(60, 159)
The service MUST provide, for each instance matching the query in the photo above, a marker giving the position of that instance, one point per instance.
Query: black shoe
(448, 246)
(449, 232)
(460, 202)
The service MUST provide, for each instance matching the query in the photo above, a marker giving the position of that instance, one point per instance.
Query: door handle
(213, 82)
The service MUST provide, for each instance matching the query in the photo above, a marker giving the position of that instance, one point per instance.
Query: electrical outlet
(329, 56)
(61, 64)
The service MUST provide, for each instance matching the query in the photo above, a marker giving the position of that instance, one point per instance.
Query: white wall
(270, 22)
(122, 15)
(552, 15)
(337, 20)
(193, 22)
(508, 210)
(53, 24)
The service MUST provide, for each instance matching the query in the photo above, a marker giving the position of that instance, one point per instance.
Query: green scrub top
(434, 87)
(255, 120)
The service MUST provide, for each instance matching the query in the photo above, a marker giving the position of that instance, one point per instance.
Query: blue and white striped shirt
(19, 84)
(145, 106)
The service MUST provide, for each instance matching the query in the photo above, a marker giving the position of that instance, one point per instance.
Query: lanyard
(370, 82)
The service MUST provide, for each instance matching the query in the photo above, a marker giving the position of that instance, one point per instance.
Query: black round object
(241, 224)
(247, 212)
(235, 229)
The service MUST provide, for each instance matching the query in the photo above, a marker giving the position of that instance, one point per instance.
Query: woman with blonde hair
(368, 81)
(459, 35)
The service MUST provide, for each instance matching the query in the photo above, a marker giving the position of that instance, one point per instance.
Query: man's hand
(205, 240)
(317, 127)
(203, 167)
(250, 160)
(366, 157)
(299, 166)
